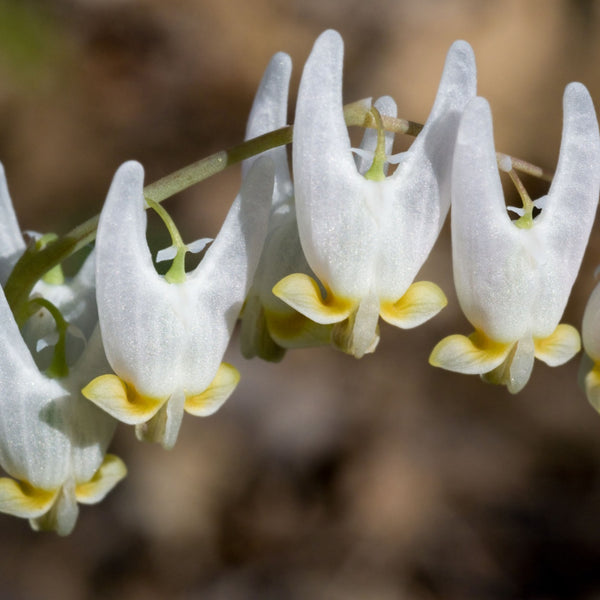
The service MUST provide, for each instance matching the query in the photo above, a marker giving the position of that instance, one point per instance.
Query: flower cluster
(317, 260)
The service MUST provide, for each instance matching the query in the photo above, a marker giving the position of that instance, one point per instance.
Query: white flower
(52, 440)
(366, 237)
(165, 341)
(513, 278)
(268, 325)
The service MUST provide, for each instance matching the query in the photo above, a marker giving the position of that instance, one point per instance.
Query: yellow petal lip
(303, 294)
(215, 395)
(121, 400)
(473, 355)
(559, 347)
(421, 301)
(21, 499)
(111, 471)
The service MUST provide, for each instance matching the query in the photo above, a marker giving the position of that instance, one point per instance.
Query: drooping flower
(165, 336)
(268, 325)
(366, 236)
(513, 278)
(52, 440)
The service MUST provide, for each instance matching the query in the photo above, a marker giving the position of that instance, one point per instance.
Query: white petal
(145, 321)
(159, 336)
(198, 245)
(63, 514)
(521, 365)
(269, 112)
(495, 263)
(90, 430)
(433, 147)
(12, 244)
(336, 218)
(220, 283)
(568, 216)
(163, 427)
(46, 341)
(33, 446)
(168, 253)
(415, 199)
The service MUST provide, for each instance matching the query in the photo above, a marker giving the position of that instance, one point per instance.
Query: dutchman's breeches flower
(513, 278)
(52, 440)
(366, 236)
(268, 325)
(165, 336)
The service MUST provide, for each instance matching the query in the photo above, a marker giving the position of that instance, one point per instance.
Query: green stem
(377, 170)
(58, 367)
(176, 273)
(525, 221)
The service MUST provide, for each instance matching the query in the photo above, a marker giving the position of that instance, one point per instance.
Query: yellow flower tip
(214, 396)
(473, 355)
(559, 347)
(422, 301)
(111, 471)
(303, 294)
(120, 400)
(21, 499)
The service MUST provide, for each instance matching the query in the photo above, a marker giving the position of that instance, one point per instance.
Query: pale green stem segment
(176, 273)
(35, 263)
(525, 221)
(55, 275)
(376, 171)
(58, 367)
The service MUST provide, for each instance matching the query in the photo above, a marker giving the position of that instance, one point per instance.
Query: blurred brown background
(323, 477)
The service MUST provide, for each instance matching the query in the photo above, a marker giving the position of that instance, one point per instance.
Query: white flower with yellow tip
(268, 325)
(513, 278)
(165, 336)
(52, 440)
(366, 236)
